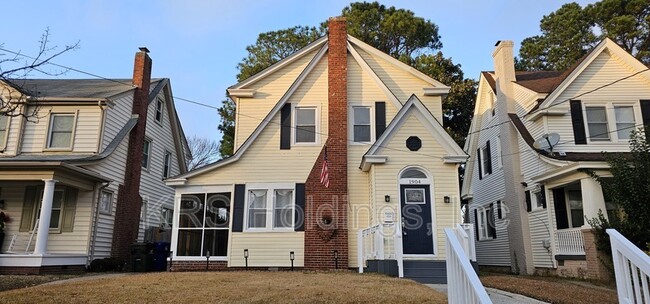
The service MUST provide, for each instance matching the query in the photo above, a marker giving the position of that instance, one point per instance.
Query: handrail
(463, 283)
(632, 270)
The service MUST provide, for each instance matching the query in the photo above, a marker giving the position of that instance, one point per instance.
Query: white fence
(632, 269)
(463, 284)
(569, 242)
(374, 245)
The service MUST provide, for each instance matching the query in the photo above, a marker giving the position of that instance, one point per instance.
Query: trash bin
(160, 254)
(141, 257)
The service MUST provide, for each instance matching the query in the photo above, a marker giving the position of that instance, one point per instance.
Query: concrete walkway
(497, 296)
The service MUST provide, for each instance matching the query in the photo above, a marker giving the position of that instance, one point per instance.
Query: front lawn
(8, 282)
(551, 289)
(231, 287)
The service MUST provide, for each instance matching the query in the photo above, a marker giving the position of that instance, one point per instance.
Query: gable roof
(240, 89)
(73, 88)
(454, 153)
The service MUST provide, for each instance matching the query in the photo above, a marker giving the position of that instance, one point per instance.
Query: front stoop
(427, 272)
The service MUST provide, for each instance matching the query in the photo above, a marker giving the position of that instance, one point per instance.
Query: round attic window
(413, 143)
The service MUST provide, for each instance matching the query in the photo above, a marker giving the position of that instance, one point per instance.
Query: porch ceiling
(64, 173)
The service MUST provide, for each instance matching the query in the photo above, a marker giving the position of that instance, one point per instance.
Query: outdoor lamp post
(207, 260)
(336, 259)
(246, 257)
(291, 257)
(171, 260)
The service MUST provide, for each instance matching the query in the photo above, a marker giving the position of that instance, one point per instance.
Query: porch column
(592, 199)
(44, 217)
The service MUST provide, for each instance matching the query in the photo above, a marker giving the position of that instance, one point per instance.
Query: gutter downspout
(93, 227)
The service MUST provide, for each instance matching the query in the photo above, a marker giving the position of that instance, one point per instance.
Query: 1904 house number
(414, 181)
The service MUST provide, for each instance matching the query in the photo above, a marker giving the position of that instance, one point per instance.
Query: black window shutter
(478, 157)
(542, 196)
(528, 202)
(579, 135)
(28, 209)
(488, 155)
(285, 127)
(492, 230)
(299, 216)
(238, 208)
(380, 118)
(559, 201)
(645, 115)
(499, 211)
(476, 223)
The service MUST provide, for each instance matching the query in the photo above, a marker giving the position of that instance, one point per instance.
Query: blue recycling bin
(160, 254)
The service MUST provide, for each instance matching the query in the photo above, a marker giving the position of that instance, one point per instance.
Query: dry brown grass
(231, 287)
(8, 282)
(551, 289)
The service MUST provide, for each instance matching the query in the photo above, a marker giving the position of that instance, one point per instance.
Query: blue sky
(198, 43)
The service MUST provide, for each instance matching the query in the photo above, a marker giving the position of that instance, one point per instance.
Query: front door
(417, 229)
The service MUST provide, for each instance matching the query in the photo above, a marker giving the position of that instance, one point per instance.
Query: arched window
(413, 173)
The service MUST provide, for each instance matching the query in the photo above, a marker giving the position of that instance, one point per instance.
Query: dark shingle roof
(73, 88)
(538, 81)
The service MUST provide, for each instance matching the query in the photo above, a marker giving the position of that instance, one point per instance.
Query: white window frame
(147, 156)
(612, 129)
(483, 223)
(160, 106)
(270, 206)
(109, 209)
(167, 164)
(607, 119)
(294, 125)
(615, 121)
(48, 135)
(371, 115)
(484, 158)
(5, 131)
(498, 153)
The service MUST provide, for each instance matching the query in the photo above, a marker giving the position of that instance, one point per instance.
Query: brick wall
(595, 267)
(197, 265)
(127, 213)
(330, 204)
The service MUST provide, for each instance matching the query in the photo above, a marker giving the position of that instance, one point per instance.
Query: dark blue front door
(416, 219)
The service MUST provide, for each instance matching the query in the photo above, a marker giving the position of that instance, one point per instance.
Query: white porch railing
(373, 245)
(632, 269)
(463, 284)
(569, 242)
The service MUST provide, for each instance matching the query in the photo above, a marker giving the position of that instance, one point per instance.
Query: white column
(44, 220)
(592, 199)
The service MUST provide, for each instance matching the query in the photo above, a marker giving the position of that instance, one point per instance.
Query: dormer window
(60, 131)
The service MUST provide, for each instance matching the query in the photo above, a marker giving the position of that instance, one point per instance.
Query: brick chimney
(326, 220)
(521, 254)
(127, 214)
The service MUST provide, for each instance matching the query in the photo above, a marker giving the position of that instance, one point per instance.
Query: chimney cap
(498, 42)
(144, 49)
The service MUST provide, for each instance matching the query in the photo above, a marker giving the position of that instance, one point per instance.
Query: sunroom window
(203, 224)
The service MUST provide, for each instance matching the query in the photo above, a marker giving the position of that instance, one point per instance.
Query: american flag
(324, 174)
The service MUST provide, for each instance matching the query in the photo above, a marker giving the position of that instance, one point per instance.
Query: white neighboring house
(73, 160)
(530, 205)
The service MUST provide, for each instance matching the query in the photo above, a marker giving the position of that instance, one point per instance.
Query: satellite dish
(547, 142)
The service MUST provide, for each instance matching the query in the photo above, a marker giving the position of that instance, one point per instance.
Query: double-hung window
(167, 164)
(57, 209)
(60, 131)
(146, 153)
(625, 122)
(305, 125)
(361, 125)
(159, 110)
(597, 123)
(610, 121)
(270, 208)
(485, 221)
(106, 203)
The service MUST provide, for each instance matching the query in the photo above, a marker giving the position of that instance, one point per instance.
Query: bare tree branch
(204, 151)
(16, 67)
